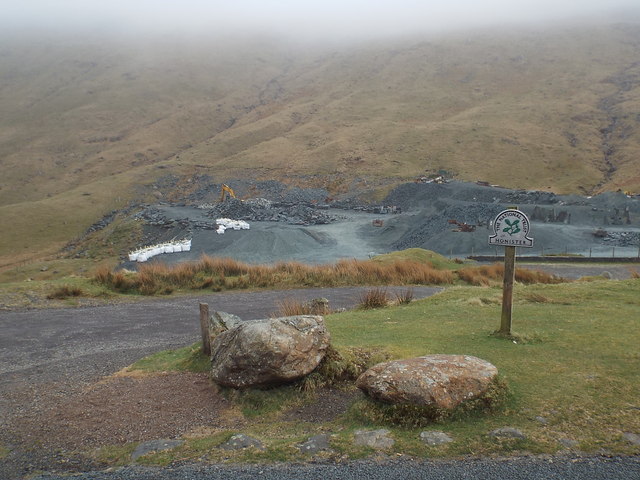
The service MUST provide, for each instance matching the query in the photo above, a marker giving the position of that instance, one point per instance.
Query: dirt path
(50, 361)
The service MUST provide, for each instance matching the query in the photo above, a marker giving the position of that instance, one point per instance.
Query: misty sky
(313, 18)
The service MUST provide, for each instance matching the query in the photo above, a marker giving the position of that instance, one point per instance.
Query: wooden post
(204, 327)
(507, 290)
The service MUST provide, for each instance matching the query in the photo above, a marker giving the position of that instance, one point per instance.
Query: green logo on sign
(513, 228)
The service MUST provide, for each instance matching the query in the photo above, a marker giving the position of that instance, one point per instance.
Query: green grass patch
(64, 291)
(4, 452)
(573, 360)
(116, 455)
(186, 359)
(439, 262)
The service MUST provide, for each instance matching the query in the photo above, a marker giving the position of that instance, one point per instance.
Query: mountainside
(87, 125)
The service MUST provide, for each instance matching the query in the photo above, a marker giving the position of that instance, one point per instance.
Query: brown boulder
(268, 352)
(442, 381)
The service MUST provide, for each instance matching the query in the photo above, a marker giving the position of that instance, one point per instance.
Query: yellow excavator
(226, 192)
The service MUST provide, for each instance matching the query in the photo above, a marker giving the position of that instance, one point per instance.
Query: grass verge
(572, 369)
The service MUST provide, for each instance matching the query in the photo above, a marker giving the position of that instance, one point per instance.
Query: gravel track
(88, 342)
(49, 356)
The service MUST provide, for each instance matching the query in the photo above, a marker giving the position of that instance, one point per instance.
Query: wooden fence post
(204, 327)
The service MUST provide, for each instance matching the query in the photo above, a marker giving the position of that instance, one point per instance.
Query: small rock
(154, 446)
(568, 442)
(434, 438)
(542, 420)
(315, 444)
(319, 306)
(507, 432)
(632, 438)
(378, 439)
(241, 441)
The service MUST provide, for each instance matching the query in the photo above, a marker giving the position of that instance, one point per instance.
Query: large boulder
(442, 381)
(264, 353)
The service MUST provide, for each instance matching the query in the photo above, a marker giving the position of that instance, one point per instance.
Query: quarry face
(453, 219)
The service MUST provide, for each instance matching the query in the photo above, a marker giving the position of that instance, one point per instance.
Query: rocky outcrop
(264, 353)
(442, 381)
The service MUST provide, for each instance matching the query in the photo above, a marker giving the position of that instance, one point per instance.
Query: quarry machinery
(462, 227)
(226, 192)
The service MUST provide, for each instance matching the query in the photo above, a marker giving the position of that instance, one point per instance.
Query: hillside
(89, 125)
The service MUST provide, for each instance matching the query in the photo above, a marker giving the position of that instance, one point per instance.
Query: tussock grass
(374, 298)
(224, 273)
(485, 275)
(290, 306)
(536, 298)
(409, 267)
(66, 291)
(405, 297)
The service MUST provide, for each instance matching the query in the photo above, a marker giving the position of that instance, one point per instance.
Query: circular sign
(511, 229)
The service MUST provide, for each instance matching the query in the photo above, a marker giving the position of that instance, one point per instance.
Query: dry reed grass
(374, 298)
(66, 291)
(289, 307)
(405, 297)
(225, 273)
(485, 275)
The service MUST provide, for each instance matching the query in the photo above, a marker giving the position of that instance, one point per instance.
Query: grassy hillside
(87, 125)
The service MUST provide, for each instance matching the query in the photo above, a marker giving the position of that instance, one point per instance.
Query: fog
(302, 19)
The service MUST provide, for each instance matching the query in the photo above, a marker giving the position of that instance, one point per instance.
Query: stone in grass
(154, 446)
(542, 420)
(632, 438)
(507, 432)
(568, 442)
(315, 444)
(442, 381)
(434, 438)
(242, 441)
(378, 439)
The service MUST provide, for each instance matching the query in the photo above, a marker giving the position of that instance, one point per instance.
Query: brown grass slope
(86, 124)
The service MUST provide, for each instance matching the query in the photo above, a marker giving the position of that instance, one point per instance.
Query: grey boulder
(268, 352)
(442, 381)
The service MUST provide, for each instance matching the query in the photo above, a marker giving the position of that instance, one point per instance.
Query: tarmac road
(549, 468)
